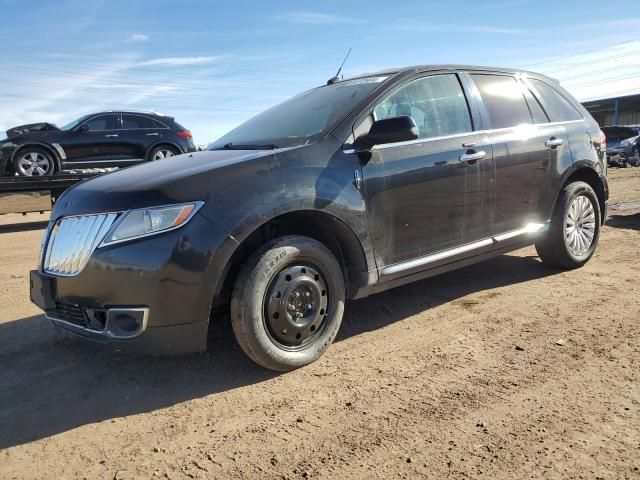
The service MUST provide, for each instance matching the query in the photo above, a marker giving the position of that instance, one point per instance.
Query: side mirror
(389, 130)
(83, 128)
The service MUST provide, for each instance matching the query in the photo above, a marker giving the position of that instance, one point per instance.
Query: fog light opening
(126, 322)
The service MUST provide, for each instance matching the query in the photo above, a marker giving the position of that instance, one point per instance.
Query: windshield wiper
(233, 146)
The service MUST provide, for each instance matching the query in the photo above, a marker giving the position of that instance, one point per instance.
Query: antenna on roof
(337, 77)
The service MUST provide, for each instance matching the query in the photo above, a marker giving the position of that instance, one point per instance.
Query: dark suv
(98, 140)
(354, 187)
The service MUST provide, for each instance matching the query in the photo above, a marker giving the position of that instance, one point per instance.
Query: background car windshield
(303, 118)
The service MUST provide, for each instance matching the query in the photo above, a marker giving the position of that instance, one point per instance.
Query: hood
(14, 132)
(144, 185)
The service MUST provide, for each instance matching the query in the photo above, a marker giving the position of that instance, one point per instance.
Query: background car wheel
(575, 228)
(287, 303)
(162, 151)
(34, 162)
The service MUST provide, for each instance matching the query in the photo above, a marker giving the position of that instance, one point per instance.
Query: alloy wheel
(164, 153)
(34, 164)
(580, 225)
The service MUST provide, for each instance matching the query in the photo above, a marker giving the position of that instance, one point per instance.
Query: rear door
(427, 197)
(138, 134)
(525, 149)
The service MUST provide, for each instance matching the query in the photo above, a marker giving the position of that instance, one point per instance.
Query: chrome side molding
(530, 228)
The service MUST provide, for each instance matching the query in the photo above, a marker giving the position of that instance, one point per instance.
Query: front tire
(575, 228)
(34, 162)
(287, 303)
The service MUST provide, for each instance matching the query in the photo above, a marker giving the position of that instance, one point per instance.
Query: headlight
(150, 221)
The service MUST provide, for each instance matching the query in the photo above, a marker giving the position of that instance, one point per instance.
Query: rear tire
(161, 152)
(287, 303)
(575, 228)
(34, 162)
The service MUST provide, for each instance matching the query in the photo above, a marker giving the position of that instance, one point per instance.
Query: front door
(429, 197)
(93, 143)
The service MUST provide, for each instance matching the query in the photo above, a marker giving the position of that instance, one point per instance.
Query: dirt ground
(506, 369)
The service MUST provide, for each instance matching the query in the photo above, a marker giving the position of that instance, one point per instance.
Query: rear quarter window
(558, 108)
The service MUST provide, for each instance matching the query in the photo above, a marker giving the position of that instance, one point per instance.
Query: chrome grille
(72, 240)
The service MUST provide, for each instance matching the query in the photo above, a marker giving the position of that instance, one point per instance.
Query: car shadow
(627, 222)
(51, 384)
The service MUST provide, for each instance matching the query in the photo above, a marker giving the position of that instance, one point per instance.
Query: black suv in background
(623, 145)
(98, 140)
(348, 189)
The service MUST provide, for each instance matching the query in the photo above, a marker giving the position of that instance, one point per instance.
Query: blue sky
(214, 64)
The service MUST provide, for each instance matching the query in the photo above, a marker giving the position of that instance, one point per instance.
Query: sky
(213, 65)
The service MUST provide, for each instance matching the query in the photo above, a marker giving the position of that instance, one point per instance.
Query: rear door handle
(152, 134)
(554, 142)
(472, 157)
(112, 135)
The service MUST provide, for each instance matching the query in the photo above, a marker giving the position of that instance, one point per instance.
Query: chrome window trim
(530, 228)
(458, 135)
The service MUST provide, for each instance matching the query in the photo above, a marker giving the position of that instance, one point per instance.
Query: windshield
(301, 119)
(72, 125)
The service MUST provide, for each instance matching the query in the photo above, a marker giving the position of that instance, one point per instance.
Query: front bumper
(170, 277)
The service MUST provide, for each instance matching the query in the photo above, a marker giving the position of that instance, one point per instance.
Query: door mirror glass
(389, 130)
(83, 128)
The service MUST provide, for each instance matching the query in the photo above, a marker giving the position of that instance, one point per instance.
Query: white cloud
(169, 61)
(313, 18)
(139, 37)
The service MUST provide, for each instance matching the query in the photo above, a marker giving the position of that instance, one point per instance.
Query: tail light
(185, 134)
(603, 141)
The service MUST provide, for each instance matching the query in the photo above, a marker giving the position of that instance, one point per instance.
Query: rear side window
(558, 108)
(504, 100)
(437, 104)
(157, 124)
(136, 122)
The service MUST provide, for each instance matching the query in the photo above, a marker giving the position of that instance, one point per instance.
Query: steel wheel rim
(33, 164)
(580, 225)
(164, 153)
(296, 306)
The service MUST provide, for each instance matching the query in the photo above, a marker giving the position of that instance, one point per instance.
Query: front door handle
(472, 157)
(553, 142)
(111, 135)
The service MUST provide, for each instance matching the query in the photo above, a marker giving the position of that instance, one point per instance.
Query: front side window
(102, 123)
(437, 104)
(558, 107)
(503, 98)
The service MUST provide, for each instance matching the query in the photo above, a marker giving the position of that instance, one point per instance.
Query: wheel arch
(586, 173)
(161, 143)
(56, 157)
(324, 227)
